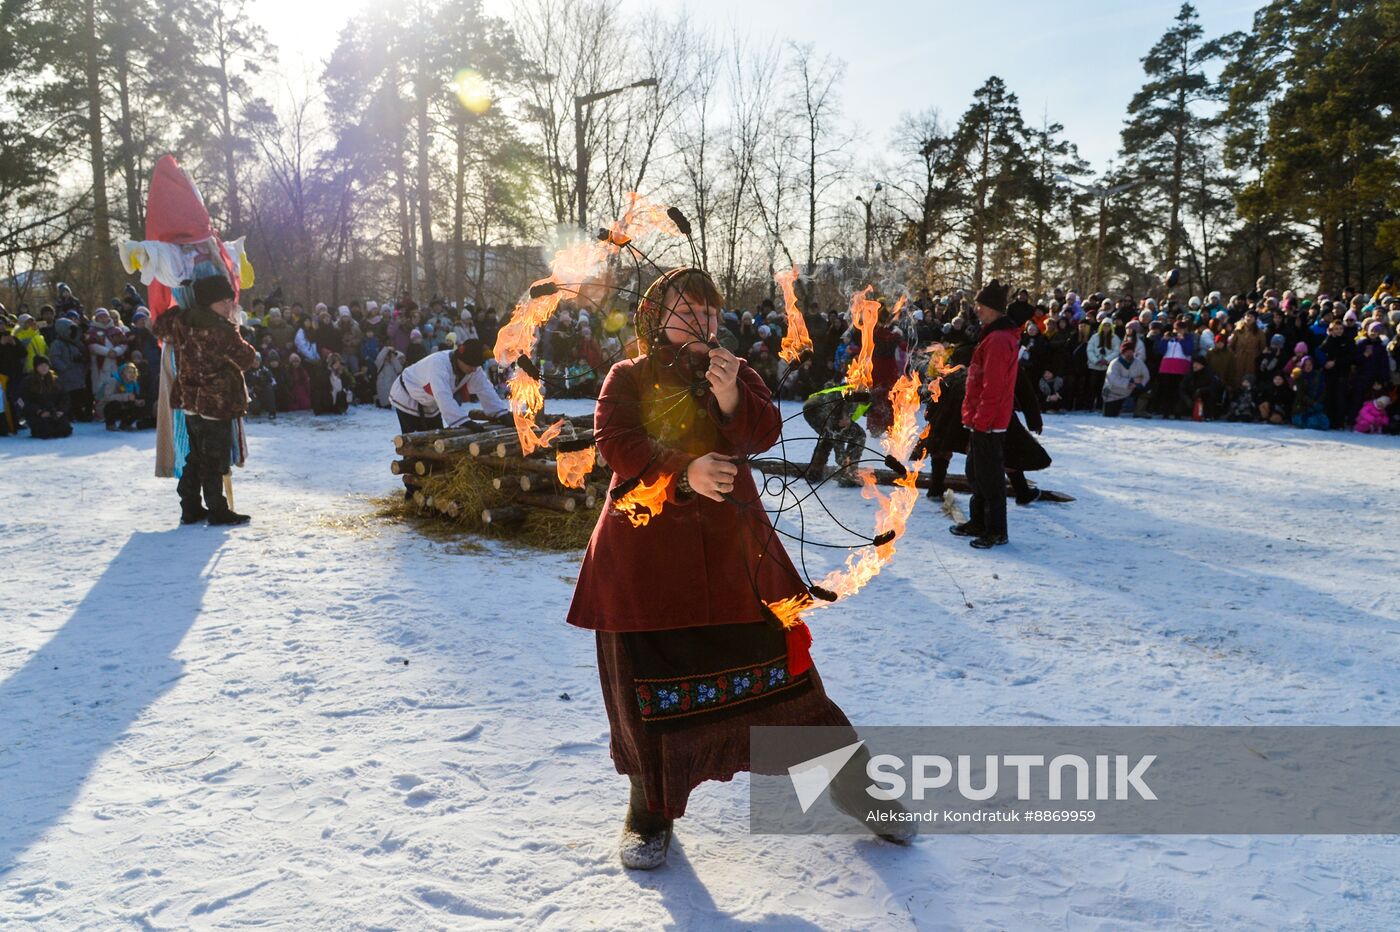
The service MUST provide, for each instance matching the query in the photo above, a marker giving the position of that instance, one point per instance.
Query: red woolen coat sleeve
(991, 409)
(756, 423)
(624, 442)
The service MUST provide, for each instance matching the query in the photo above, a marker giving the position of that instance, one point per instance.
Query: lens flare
(472, 90)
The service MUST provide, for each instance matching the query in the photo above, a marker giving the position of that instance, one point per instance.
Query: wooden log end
(503, 515)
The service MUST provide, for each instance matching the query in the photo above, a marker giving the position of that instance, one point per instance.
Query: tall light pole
(580, 156)
(869, 205)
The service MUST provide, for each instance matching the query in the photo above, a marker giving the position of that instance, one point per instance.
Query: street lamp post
(580, 156)
(869, 206)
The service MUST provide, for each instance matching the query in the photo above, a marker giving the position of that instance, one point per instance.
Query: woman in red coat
(688, 656)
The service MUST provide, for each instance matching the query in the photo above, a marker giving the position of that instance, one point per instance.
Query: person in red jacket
(986, 412)
(689, 655)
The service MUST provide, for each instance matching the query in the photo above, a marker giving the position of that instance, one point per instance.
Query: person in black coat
(1275, 399)
(12, 358)
(262, 390)
(947, 435)
(1336, 353)
(1202, 384)
(45, 403)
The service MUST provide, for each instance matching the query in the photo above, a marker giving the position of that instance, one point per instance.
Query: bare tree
(572, 48)
(752, 73)
(814, 100)
(695, 142)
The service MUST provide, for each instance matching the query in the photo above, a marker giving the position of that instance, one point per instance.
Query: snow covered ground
(324, 722)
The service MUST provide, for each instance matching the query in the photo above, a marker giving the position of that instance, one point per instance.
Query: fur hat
(1382, 401)
(211, 289)
(993, 295)
(470, 352)
(1019, 311)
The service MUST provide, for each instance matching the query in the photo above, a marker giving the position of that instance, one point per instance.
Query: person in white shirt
(437, 390)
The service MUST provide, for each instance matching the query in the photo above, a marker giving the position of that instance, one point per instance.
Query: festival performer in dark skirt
(688, 656)
(947, 435)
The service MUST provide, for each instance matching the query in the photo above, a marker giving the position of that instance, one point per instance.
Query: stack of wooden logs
(528, 482)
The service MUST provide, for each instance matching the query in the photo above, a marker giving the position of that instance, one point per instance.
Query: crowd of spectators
(1325, 362)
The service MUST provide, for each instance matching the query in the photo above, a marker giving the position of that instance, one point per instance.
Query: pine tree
(1054, 164)
(230, 50)
(1165, 133)
(990, 147)
(1313, 104)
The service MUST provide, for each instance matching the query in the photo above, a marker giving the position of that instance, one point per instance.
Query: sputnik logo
(811, 777)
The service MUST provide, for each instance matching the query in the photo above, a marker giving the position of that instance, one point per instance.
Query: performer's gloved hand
(712, 475)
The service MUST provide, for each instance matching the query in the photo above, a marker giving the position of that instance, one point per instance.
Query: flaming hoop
(591, 272)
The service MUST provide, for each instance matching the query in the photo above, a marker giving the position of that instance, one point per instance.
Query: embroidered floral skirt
(680, 703)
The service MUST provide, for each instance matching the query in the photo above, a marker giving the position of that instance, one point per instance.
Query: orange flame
(899, 307)
(573, 468)
(517, 338)
(938, 368)
(531, 438)
(865, 313)
(892, 515)
(789, 610)
(581, 271)
(641, 218)
(796, 341)
(526, 396)
(645, 501)
(899, 440)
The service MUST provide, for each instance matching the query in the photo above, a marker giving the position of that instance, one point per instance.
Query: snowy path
(313, 723)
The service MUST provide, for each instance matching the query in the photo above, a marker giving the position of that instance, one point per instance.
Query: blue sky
(1078, 61)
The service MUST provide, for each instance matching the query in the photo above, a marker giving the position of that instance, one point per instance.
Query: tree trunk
(135, 221)
(1329, 270)
(459, 209)
(812, 198)
(235, 215)
(978, 230)
(101, 220)
(409, 277)
(1346, 251)
(479, 286)
(425, 201)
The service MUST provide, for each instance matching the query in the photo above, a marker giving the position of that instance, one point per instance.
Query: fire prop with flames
(591, 273)
(797, 343)
(584, 273)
